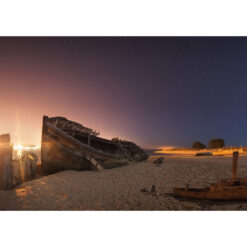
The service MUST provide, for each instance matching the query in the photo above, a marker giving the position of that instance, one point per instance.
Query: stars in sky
(124, 86)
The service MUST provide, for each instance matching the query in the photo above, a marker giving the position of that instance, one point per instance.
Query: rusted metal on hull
(67, 147)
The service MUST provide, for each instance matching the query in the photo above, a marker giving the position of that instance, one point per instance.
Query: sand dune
(120, 188)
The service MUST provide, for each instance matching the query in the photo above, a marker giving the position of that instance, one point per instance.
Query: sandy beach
(126, 188)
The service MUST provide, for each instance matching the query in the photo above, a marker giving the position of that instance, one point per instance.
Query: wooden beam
(235, 165)
(94, 163)
(6, 168)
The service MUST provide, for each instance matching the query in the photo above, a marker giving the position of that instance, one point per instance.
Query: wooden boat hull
(239, 194)
(63, 149)
(225, 190)
(233, 189)
(56, 157)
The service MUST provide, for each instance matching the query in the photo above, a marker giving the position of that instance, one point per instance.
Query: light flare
(22, 147)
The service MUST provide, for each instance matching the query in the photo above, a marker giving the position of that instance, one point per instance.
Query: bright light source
(21, 147)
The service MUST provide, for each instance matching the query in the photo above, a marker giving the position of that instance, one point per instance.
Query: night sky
(155, 91)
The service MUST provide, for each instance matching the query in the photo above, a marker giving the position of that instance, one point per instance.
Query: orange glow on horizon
(189, 151)
(164, 149)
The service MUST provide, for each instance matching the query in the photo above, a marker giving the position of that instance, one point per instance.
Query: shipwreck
(233, 189)
(67, 145)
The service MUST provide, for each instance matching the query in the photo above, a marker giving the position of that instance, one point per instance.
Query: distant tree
(198, 145)
(216, 143)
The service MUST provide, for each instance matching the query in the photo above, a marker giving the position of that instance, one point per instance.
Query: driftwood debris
(159, 161)
(153, 190)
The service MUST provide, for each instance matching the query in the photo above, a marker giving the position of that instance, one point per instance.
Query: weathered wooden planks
(65, 146)
(28, 162)
(224, 194)
(57, 157)
(60, 151)
(73, 143)
(16, 172)
(6, 168)
(94, 163)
